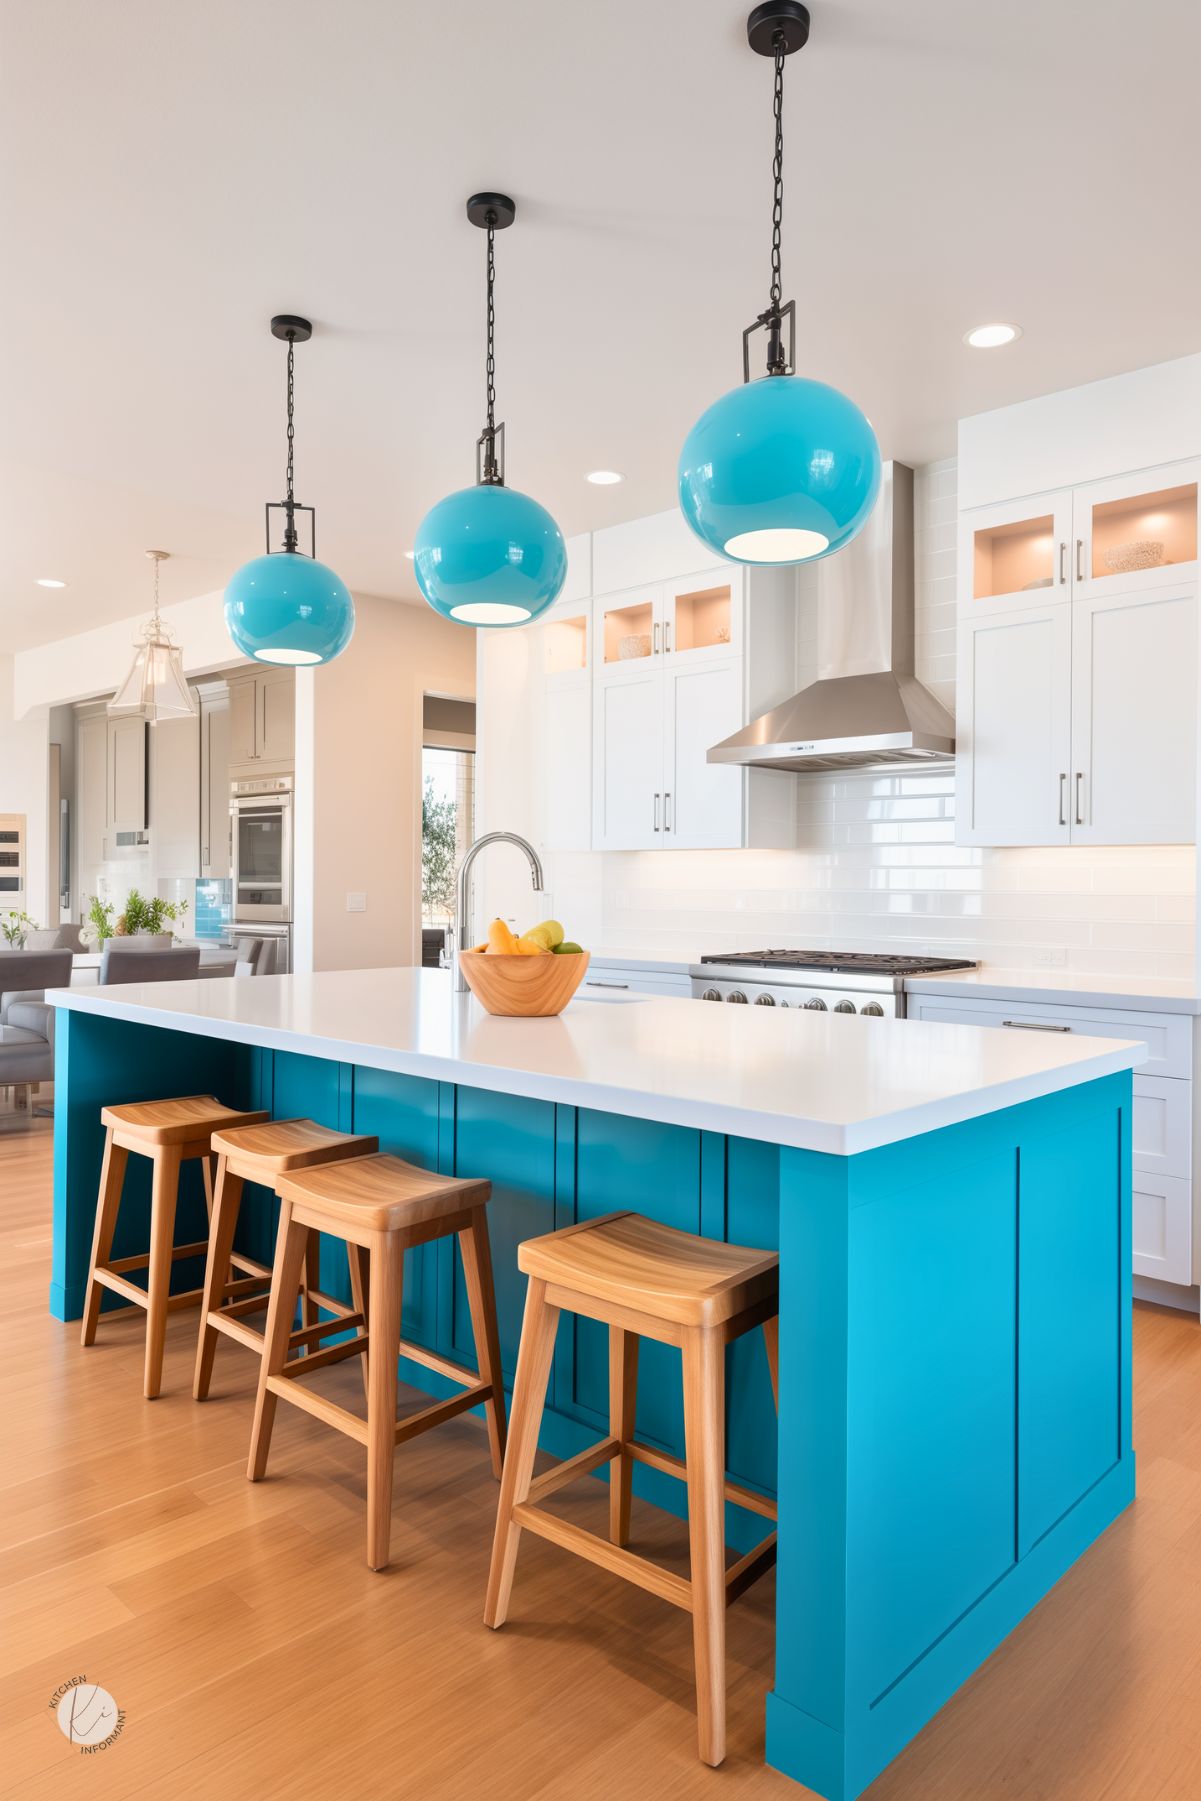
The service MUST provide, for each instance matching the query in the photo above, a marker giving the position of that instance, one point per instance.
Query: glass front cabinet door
(1135, 532)
(1016, 554)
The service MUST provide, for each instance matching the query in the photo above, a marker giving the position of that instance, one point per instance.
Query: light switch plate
(1049, 956)
(356, 903)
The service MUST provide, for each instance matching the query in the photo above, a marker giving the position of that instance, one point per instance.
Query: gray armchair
(253, 955)
(121, 963)
(26, 1022)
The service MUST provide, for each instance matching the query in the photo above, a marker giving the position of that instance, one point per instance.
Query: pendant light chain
(492, 472)
(776, 364)
(291, 539)
(157, 560)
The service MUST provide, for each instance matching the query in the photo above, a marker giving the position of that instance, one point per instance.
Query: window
(447, 814)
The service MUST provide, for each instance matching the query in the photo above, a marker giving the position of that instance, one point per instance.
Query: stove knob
(738, 996)
(711, 994)
(765, 1000)
(816, 1005)
(845, 1007)
(874, 1010)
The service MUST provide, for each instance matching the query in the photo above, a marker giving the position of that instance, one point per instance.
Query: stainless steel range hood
(867, 709)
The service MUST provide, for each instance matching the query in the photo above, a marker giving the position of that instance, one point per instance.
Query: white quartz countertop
(819, 1082)
(1067, 987)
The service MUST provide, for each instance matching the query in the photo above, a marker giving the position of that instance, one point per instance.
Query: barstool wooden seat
(381, 1206)
(643, 1280)
(262, 1153)
(171, 1133)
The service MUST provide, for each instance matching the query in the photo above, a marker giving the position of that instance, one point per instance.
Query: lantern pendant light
(286, 607)
(489, 555)
(782, 469)
(155, 687)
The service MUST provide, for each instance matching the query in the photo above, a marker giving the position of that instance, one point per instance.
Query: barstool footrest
(142, 1259)
(416, 1423)
(107, 1278)
(319, 1360)
(748, 1569)
(675, 1466)
(582, 1464)
(614, 1558)
(328, 1412)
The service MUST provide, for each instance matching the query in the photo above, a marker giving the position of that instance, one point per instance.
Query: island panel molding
(942, 1462)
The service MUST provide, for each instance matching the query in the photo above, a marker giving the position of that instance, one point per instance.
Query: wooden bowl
(523, 987)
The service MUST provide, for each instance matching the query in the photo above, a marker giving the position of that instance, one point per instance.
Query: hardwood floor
(254, 1655)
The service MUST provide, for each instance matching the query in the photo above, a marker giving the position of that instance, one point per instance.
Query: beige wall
(358, 763)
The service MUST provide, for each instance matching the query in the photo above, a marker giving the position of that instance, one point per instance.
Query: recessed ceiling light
(991, 337)
(604, 478)
(48, 581)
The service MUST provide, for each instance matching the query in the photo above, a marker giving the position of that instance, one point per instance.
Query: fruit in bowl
(527, 977)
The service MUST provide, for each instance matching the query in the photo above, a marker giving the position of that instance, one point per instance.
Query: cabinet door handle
(1079, 779)
(666, 636)
(592, 984)
(667, 812)
(1079, 556)
(1063, 561)
(1027, 1025)
(1063, 782)
(655, 639)
(656, 812)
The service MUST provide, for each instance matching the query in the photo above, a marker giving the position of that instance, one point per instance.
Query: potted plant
(16, 927)
(147, 918)
(98, 923)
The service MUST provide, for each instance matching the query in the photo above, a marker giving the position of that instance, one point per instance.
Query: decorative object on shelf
(489, 555)
(1141, 553)
(15, 928)
(140, 918)
(638, 644)
(1043, 581)
(155, 687)
(286, 607)
(783, 469)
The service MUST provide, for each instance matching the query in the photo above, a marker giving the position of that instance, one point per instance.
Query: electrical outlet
(356, 903)
(1050, 956)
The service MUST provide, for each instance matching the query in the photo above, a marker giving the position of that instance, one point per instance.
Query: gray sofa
(26, 1022)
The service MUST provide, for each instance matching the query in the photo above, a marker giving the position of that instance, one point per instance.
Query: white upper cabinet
(1013, 727)
(702, 801)
(1077, 714)
(127, 775)
(1134, 717)
(628, 781)
(175, 796)
(565, 758)
(655, 549)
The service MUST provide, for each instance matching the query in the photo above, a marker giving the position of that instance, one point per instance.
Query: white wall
(877, 867)
(24, 759)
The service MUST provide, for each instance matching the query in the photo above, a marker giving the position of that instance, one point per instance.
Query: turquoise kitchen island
(952, 1211)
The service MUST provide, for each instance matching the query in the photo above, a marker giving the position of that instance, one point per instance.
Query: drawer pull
(606, 984)
(1026, 1025)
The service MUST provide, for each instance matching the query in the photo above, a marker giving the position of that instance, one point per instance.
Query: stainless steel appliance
(823, 981)
(261, 850)
(867, 709)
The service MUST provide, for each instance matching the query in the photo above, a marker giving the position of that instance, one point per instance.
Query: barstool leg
(281, 1310)
(311, 1282)
(481, 1300)
(538, 1329)
(164, 1194)
(227, 1204)
(108, 1201)
(386, 1292)
(705, 1453)
(623, 1390)
(360, 1288)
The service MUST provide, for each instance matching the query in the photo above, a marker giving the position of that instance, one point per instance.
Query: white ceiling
(178, 173)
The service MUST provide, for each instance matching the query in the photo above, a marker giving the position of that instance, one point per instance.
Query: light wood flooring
(254, 1654)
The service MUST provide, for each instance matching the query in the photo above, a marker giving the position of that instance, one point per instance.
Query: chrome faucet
(469, 858)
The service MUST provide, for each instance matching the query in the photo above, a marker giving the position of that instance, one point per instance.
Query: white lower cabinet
(1162, 1126)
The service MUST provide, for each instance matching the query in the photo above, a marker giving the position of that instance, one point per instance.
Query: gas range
(822, 981)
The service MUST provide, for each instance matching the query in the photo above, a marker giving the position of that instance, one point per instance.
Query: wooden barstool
(381, 1206)
(262, 1153)
(643, 1280)
(170, 1133)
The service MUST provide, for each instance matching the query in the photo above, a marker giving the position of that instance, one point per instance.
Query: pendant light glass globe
(779, 470)
(156, 687)
(489, 555)
(289, 608)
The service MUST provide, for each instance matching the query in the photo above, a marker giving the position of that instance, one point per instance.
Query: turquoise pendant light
(488, 555)
(782, 469)
(286, 607)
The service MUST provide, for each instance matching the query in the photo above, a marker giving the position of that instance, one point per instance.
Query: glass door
(1136, 531)
(701, 616)
(630, 628)
(262, 854)
(1016, 554)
